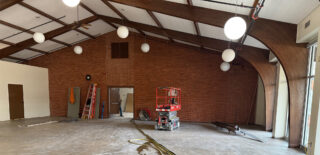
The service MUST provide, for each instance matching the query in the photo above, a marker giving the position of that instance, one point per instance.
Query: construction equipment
(236, 130)
(168, 102)
(89, 106)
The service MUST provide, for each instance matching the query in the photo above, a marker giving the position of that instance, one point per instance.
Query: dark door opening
(121, 102)
(16, 105)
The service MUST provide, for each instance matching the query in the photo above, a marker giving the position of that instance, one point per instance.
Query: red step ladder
(89, 106)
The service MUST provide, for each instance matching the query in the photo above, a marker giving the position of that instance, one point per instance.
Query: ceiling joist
(7, 3)
(215, 44)
(30, 32)
(155, 19)
(49, 35)
(118, 13)
(52, 18)
(95, 14)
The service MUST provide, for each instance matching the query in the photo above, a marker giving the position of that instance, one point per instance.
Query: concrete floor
(110, 136)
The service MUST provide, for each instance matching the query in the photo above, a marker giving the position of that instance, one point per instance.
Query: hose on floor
(149, 142)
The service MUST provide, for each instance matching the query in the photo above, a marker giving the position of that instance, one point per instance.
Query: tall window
(309, 93)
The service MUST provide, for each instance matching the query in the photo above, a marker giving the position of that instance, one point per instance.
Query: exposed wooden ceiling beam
(94, 13)
(32, 49)
(53, 18)
(30, 32)
(118, 13)
(7, 3)
(215, 44)
(30, 42)
(155, 19)
(196, 25)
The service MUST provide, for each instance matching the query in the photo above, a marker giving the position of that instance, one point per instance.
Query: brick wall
(208, 94)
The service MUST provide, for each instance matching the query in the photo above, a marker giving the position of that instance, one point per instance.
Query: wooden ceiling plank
(196, 25)
(16, 58)
(7, 3)
(118, 13)
(52, 18)
(49, 35)
(94, 13)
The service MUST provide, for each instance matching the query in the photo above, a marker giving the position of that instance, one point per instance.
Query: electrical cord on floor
(149, 142)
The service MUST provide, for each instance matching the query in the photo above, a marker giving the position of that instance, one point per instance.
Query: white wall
(123, 96)
(260, 118)
(35, 89)
(281, 104)
(310, 33)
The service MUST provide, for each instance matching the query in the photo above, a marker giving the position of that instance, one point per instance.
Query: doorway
(121, 103)
(16, 105)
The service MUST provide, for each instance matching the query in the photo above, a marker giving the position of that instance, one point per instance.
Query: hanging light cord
(225, 3)
(32, 28)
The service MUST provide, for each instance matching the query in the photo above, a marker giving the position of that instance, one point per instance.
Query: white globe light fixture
(122, 32)
(77, 49)
(235, 28)
(145, 47)
(228, 55)
(225, 66)
(71, 3)
(38, 37)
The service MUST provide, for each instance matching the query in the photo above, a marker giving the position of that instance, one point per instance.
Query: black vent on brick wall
(119, 50)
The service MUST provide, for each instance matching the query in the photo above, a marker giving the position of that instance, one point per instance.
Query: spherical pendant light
(71, 3)
(225, 66)
(145, 47)
(77, 49)
(235, 28)
(38, 37)
(228, 55)
(123, 32)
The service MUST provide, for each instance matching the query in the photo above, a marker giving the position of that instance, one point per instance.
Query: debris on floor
(236, 130)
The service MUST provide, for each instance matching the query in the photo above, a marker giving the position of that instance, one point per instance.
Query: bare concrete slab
(110, 136)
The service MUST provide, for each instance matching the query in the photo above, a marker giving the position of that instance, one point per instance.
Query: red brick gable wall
(208, 94)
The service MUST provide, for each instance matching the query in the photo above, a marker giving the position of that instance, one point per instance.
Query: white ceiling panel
(23, 17)
(6, 31)
(100, 8)
(71, 37)
(48, 27)
(179, 41)
(98, 27)
(175, 23)
(287, 10)
(227, 8)
(25, 54)
(155, 35)
(57, 9)
(250, 41)
(19, 38)
(48, 46)
(135, 14)
(9, 60)
(179, 1)
(212, 31)
(3, 45)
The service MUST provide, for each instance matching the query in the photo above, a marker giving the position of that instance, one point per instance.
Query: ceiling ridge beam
(49, 35)
(95, 14)
(212, 43)
(119, 13)
(156, 20)
(52, 18)
(30, 32)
